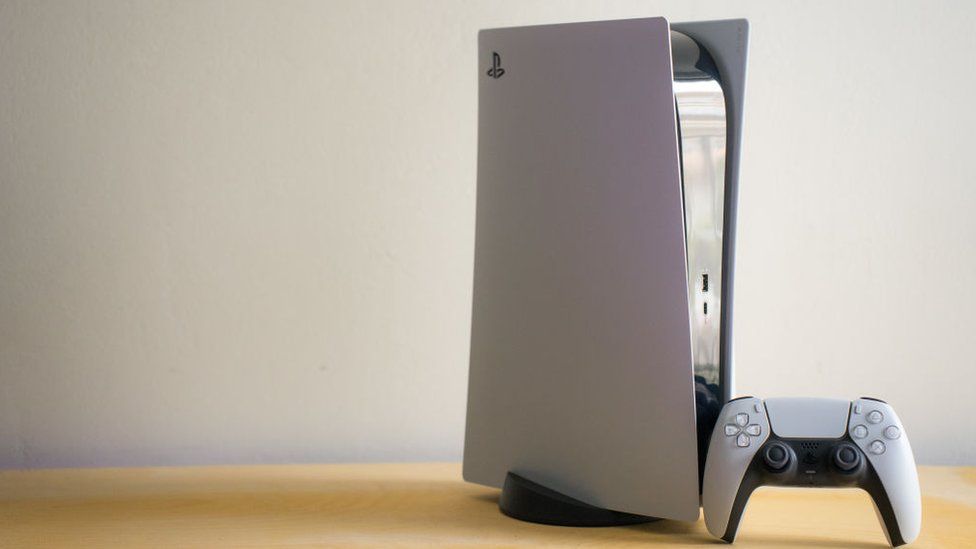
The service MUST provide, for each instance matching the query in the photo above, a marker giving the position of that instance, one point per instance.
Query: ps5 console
(601, 348)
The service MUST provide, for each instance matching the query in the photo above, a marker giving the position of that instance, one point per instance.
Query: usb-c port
(704, 282)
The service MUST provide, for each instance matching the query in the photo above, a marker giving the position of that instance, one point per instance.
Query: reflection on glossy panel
(701, 120)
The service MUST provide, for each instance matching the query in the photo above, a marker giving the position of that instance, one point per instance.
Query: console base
(525, 500)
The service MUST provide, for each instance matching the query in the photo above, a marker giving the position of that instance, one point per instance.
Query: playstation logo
(496, 71)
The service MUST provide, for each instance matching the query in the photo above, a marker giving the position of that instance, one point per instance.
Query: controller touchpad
(808, 417)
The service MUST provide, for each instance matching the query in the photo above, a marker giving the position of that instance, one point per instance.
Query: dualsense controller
(816, 443)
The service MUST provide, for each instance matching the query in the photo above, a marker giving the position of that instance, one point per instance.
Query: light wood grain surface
(408, 505)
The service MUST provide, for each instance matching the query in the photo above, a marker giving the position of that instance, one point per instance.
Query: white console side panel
(581, 371)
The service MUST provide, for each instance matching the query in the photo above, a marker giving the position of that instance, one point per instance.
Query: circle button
(892, 432)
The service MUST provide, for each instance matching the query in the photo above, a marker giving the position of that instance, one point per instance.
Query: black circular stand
(532, 502)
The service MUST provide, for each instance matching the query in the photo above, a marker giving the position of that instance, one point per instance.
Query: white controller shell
(811, 433)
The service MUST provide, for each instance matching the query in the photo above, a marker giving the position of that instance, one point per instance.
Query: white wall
(243, 231)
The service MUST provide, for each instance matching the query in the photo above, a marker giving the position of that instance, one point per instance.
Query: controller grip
(727, 531)
(729, 478)
(892, 482)
(898, 506)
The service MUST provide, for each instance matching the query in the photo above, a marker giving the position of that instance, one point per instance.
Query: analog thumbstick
(846, 457)
(776, 456)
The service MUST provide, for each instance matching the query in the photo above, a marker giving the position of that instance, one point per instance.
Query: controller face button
(741, 419)
(742, 441)
(753, 430)
(776, 456)
(731, 430)
(846, 458)
(859, 431)
(877, 447)
(892, 432)
(875, 416)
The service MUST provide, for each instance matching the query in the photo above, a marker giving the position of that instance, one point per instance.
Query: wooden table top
(408, 505)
